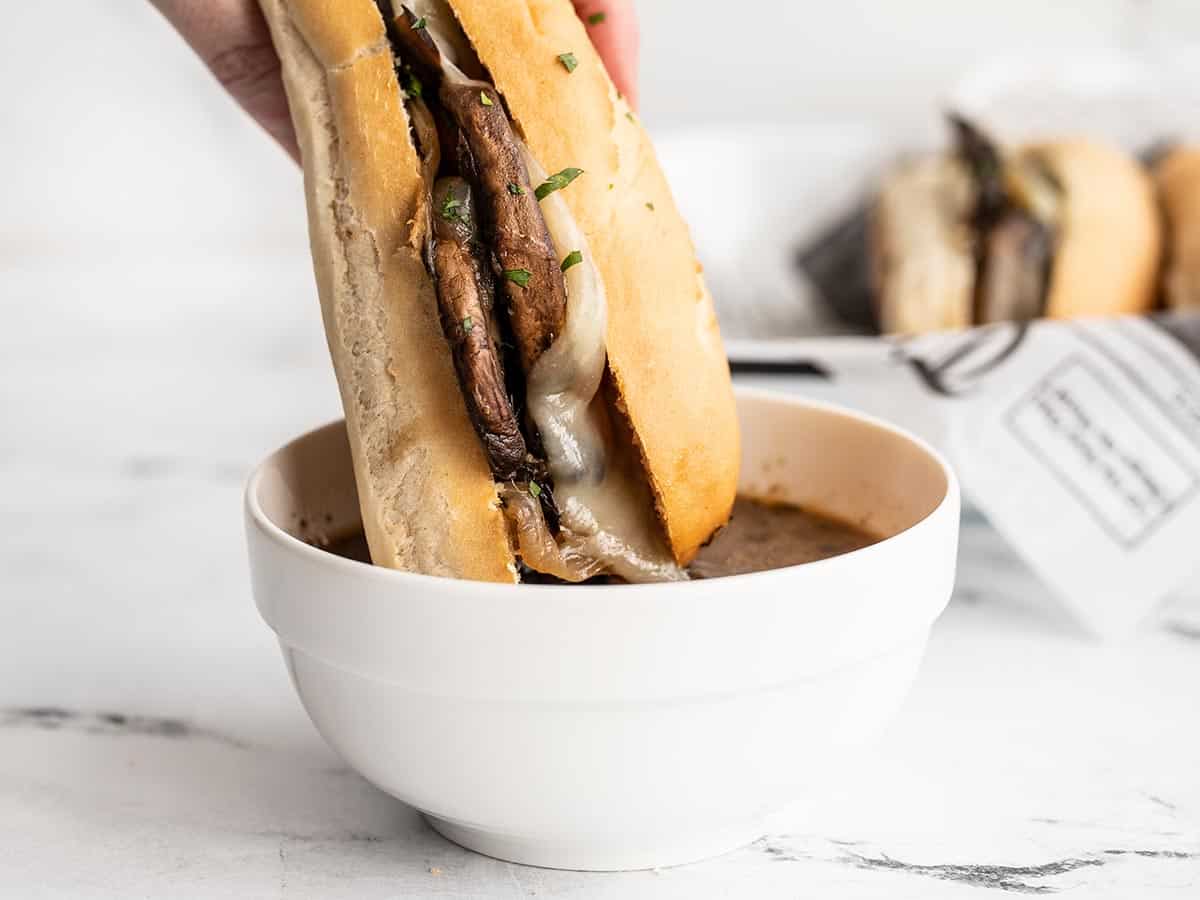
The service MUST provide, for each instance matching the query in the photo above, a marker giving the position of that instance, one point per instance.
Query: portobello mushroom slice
(983, 160)
(1015, 275)
(1014, 219)
(465, 300)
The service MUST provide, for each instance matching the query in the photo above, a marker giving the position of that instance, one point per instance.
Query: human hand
(231, 37)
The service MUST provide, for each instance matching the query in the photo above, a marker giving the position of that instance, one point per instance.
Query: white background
(113, 134)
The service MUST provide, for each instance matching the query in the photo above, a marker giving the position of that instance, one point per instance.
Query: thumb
(232, 39)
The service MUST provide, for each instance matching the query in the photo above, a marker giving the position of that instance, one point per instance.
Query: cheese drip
(606, 512)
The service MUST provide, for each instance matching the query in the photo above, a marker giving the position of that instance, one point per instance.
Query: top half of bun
(1178, 177)
(428, 499)
(1110, 237)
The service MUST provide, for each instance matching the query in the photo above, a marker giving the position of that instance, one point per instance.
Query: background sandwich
(529, 363)
(986, 234)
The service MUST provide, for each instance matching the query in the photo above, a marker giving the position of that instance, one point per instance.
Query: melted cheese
(605, 508)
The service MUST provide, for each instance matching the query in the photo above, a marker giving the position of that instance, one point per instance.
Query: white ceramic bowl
(614, 727)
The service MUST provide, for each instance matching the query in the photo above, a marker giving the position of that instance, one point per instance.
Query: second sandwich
(988, 234)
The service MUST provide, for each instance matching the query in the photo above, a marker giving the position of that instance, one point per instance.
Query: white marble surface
(150, 744)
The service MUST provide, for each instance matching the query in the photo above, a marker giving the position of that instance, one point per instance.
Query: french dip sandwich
(986, 234)
(529, 362)
(1178, 177)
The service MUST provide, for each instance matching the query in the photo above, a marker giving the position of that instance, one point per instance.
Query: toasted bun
(1178, 177)
(922, 264)
(1110, 241)
(429, 503)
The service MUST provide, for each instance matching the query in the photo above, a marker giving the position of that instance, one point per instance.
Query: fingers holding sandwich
(232, 39)
(612, 26)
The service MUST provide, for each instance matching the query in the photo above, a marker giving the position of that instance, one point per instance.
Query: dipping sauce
(760, 536)
(763, 536)
(352, 546)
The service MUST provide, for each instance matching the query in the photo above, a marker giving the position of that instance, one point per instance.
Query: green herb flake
(649, 206)
(419, 24)
(573, 258)
(518, 276)
(535, 489)
(568, 60)
(451, 209)
(630, 116)
(596, 18)
(611, 185)
(485, 99)
(412, 86)
(556, 182)
(468, 324)
(515, 189)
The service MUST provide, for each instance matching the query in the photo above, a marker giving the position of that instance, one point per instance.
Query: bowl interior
(836, 462)
(307, 488)
(827, 460)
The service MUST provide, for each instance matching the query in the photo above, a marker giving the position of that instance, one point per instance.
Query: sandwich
(1060, 229)
(528, 359)
(1178, 177)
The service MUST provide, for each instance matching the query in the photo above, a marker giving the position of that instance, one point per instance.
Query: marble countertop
(150, 744)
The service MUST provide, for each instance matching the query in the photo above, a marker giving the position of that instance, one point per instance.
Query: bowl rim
(318, 556)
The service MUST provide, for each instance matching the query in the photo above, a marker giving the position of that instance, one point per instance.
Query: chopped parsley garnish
(419, 24)
(412, 86)
(649, 206)
(573, 258)
(451, 209)
(515, 189)
(535, 489)
(596, 18)
(485, 99)
(568, 60)
(630, 117)
(611, 185)
(468, 324)
(518, 276)
(556, 182)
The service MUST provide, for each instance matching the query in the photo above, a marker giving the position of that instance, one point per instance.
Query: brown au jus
(761, 536)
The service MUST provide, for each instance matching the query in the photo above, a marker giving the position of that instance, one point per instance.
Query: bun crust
(1178, 179)
(429, 501)
(1110, 244)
